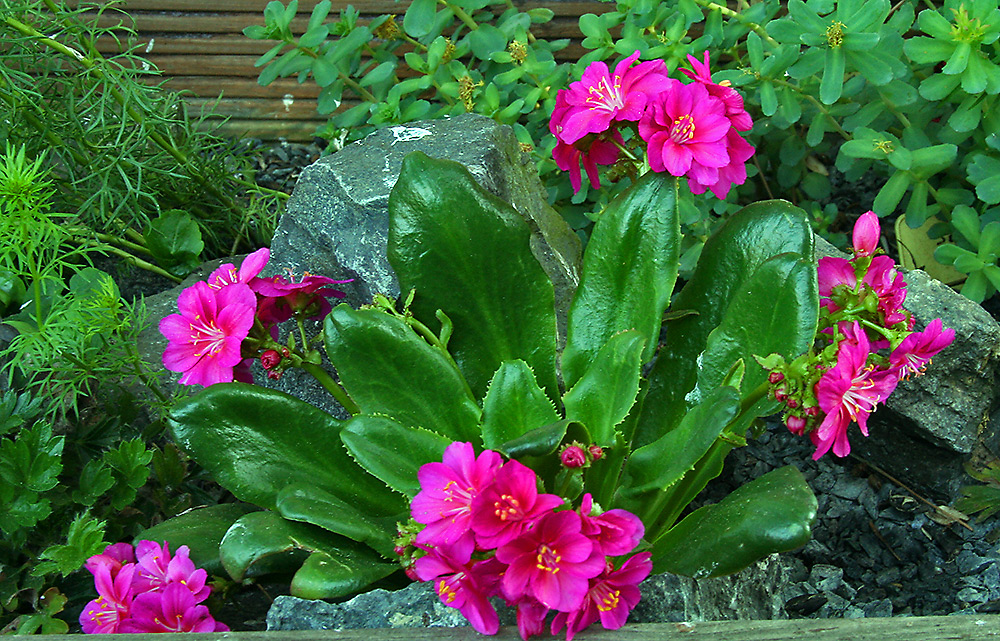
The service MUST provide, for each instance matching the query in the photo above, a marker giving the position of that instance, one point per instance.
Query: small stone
(881, 608)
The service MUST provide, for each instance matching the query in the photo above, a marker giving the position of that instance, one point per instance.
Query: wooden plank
(291, 130)
(258, 108)
(940, 628)
(242, 87)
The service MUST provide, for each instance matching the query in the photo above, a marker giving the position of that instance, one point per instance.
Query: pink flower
(600, 97)
(915, 352)
(615, 532)
(848, 391)
(283, 298)
(599, 152)
(735, 111)
(573, 456)
(833, 272)
(735, 173)
(172, 610)
(530, 617)
(227, 274)
(610, 598)
(463, 584)
(205, 337)
(504, 509)
(686, 129)
(115, 556)
(105, 614)
(866, 234)
(157, 569)
(551, 562)
(447, 490)
(888, 284)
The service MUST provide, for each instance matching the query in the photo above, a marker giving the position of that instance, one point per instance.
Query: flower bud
(596, 452)
(775, 377)
(780, 395)
(792, 403)
(270, 359)
(573, 456)
(866, 234)
(796, 424)
(274, 374)
(285, 353)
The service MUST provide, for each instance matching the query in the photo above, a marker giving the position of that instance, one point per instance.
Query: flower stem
(332, 386)
(726, 11)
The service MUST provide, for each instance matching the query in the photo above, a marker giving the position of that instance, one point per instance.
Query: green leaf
(314, 36)
(32, 461)
(392, 452)
(938, 86)
(832, 84)
(487, 40)
(984, 173)
(891, 193)
(514, 405)
(540, 441)
(975, 286)
(307, 503)
(201, 529)
(775, 312)
(84, 539)
(660, 464)
(388, 369)
(603, 396)
(729, 260)
(459, 246)
(419, 18)
(256, 441)
(174, 238)
(768, 98)
(628, 275)
(337, 573)
(129, 463)
(379, 74)
(771, 514)
(966, 221)
(959, 59)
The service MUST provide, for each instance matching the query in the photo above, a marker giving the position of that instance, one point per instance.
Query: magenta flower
(735, 173)
(686, 129)
(733, 101)
(888, 284)
(599, 152)
(157, 568)
(227, 274)
(915, 352)
(848, 391)
(283, 298)
(447, 490)
(866, 234)
(611, 598)
(463, 584)
(105, 614)
(172, 610)
(504, 509)
(832, 272)
(205, 337)
(551, 562)
(600, 97)
(530, 617)
(115, 556)
(615, 532)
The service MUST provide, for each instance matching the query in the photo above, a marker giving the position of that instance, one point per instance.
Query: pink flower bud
(792, 403)
(780, 395)
(285, 353)
(866, 234)
(812, 411)
(596, 452)
(573, 456)
(274, 374)
(270, 358)
(775, 377)
(796, 424)
(399, 550)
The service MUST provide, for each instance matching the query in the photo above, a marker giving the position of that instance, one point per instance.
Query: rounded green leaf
(419, 17)
(467, 252)
(388, 369)
(307, 503)
(832, 84)
(629, 270)
(201, 529)
(255, 441)
(891, 193)
(392, 452)
(514, 405)
(263, 542)
(771, 514)
(487, 40)
(338, 573)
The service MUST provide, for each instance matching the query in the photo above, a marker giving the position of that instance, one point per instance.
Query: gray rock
(336, 222)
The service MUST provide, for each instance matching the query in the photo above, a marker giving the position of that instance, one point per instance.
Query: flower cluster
(867, 346)
(488, 532)
(208, 339)
(145, 589)
(690, 129)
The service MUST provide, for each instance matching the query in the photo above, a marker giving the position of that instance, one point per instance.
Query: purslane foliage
(852, 85)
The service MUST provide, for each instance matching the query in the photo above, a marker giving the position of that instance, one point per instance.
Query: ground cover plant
(652, 154)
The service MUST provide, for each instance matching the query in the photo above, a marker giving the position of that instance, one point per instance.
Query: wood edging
(934, 628)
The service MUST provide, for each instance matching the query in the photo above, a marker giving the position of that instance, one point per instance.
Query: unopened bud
(792, 403)
(399, 550)
(775, 377)
(796, 424)
(270, 359)
(812, 411)
(285, 353)
(274, 374)
(596, 452)
(573, 456)
(780, 395)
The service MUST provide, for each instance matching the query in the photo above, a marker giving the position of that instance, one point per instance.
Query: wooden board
(951, 628)
(200, 50)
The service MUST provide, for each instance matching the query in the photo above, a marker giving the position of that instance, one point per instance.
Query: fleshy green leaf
(771, 514)
(388, 369)
(457, 245)
(832, 84)
(336, 573)
(603, 396)
(628, 275)
(392, 452)
(174, 239)
(514, 405)
(305, 502)
(419, 17)
(984, 173)
(201, 529)
(255, 441)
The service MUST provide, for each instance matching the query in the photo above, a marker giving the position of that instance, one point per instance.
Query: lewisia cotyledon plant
(487, 532)
(867, 345)
(146, 589)
(690, 130)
